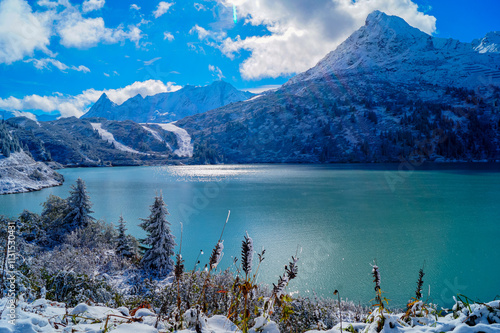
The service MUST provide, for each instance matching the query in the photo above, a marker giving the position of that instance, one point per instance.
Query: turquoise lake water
(339, 218)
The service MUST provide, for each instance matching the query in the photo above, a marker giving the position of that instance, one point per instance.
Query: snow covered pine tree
(123, 246)
(157, 260)
(79, 205)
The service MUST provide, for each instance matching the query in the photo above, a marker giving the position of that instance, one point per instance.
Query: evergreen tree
(79, 207)
(123, 246)
(157, 260)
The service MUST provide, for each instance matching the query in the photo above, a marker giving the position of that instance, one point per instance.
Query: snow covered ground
(183, 139)
(110, 138)
(48, 316)
(20, 173)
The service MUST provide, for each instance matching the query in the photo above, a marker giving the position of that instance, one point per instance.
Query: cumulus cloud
(168, 36)
(22, 31)
(201, 32)
(216, 71)
(79, 104)
(76, 31)
(90, 5)
(162, 8)
(49, 63)
(302, 32)
(135, 7)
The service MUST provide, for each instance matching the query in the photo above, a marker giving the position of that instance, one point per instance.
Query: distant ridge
(171, 106)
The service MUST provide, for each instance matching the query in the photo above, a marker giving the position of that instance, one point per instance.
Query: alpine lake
(337, 219)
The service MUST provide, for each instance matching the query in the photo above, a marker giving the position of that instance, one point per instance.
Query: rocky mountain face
(388, 93)
(168, 107)
(98, 142)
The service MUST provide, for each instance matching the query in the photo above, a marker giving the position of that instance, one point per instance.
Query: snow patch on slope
(110, 138)
(183, 139)
(156, 135)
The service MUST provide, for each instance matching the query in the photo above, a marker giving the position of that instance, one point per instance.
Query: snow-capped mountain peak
(387, 48)
(488, 44)
(169, 106)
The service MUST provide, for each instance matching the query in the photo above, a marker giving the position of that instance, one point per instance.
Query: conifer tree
(79, 207)
(157, 260)
(123, 247)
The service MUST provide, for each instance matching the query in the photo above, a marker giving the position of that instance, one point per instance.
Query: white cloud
(48, 63)
(135, 7)
(303, 32)
(28, 115)
(47, 3)
(149, 62)
(90, 5)
(22, 31)
(79, 32)
(162, 8)
(216, 71)
(106, 74)
(200, 31)
(77, 105)
(168, 36)
(199, 6)
(81, 68)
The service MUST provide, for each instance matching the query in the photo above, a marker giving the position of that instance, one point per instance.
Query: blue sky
(60, 55)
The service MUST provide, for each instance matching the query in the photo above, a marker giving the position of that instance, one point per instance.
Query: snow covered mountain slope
(168, 107)
(20, 173)
(387, 93)
(490, 43)
(183, 138)
(387, 48)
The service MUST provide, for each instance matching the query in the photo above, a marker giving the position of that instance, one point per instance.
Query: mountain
(100, 142)
(168, 107)
(389, 93)
(490, 43)
(387, 48)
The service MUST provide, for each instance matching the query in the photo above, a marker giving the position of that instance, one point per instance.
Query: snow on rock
(183, 139)
(143, 313)
(20, 173)
(264, 325)
(124, 310)
(111, 139)
(80, 308)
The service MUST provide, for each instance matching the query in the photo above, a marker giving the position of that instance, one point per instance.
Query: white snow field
(111, 139)
(183, 139)
(48, 316)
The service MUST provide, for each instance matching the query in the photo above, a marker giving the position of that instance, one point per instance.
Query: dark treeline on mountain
(9, 143)
(316, 129)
